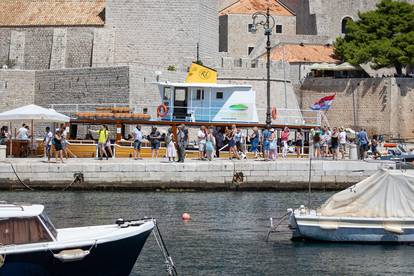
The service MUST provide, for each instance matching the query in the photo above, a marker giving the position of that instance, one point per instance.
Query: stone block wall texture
(79, 47)
(103, 47)
(145, 32)
(16, 51)
(85, 87)
(16, 88)
(4, 45)
(382, 106)
(237, 37)
(159, 32)
(58, 55)
(46, 48)
(37, 48)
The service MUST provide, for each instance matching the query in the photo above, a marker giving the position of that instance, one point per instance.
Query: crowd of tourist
(268, 144)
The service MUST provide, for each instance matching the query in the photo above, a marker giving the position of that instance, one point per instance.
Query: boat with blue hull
(379, 209)
(31, 245)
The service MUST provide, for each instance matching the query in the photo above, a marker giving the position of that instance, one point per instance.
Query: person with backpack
(137, 135)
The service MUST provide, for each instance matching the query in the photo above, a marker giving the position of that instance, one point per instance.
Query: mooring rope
(78, 178)
(163, 248)
(18, 178)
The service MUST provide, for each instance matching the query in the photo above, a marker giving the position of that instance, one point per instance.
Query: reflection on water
(226, 233)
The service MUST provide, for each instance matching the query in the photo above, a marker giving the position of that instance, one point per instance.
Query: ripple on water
(226, 233)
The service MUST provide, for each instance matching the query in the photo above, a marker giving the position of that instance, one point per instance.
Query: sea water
(226, 235)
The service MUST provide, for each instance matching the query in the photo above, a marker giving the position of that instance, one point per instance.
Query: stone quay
(128, 174)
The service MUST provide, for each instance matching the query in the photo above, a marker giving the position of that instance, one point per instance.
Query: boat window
(200, 94)
(219, 95)
(166, 94)
(22, 230)
(180, 94)
(46, 220)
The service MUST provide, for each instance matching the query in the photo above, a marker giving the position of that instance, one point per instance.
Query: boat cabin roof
(15, 210)
(203, 85)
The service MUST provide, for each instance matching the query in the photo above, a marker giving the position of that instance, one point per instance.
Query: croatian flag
(324, 103)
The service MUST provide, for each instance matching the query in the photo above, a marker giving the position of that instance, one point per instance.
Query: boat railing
(287, 116)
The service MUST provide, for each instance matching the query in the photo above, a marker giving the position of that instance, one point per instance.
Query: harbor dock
(128, 174)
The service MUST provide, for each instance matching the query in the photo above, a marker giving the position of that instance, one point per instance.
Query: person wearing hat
(155, 137)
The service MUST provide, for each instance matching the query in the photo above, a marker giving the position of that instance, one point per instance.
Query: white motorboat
(31, 245)
(377, 209)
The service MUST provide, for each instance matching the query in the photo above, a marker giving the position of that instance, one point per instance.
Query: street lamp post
(268, 24)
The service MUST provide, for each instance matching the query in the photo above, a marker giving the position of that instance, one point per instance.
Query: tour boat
(377, 209)
(31, 245)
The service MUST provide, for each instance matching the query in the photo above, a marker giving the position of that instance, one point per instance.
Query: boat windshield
(46, 220)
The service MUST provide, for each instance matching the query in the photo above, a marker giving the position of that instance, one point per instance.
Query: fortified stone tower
(48, 34)
(160, 32)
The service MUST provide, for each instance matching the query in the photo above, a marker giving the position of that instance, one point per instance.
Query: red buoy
(186, 216)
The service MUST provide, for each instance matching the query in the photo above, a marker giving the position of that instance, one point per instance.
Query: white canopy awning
(333, 67)
(35, 113)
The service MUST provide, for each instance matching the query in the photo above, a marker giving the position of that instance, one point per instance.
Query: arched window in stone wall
(344, 21)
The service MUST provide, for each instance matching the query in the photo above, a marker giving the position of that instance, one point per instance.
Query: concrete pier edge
(193, 175)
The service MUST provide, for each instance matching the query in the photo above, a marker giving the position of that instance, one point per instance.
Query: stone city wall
(46, 48)
(82, 86)
(145, 33)
(16, 88)
(381, 105)
(162, 31)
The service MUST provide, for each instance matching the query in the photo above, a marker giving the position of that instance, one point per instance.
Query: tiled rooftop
(303, 53)
(51, 12)
(252, 6)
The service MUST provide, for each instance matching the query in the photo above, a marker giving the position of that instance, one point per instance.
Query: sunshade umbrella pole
(31, 131)
(11, 138)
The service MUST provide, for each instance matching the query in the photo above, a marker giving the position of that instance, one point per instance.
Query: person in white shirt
(47, 141)
(201, 138)
(137, 134)
(342, 142)
(22, 133)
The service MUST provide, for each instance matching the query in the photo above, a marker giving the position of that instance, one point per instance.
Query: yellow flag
(201, 74)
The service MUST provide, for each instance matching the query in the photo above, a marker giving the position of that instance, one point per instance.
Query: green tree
(384, 37)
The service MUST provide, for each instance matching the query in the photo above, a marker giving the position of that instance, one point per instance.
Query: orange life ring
(162, 110)
(274, 113)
